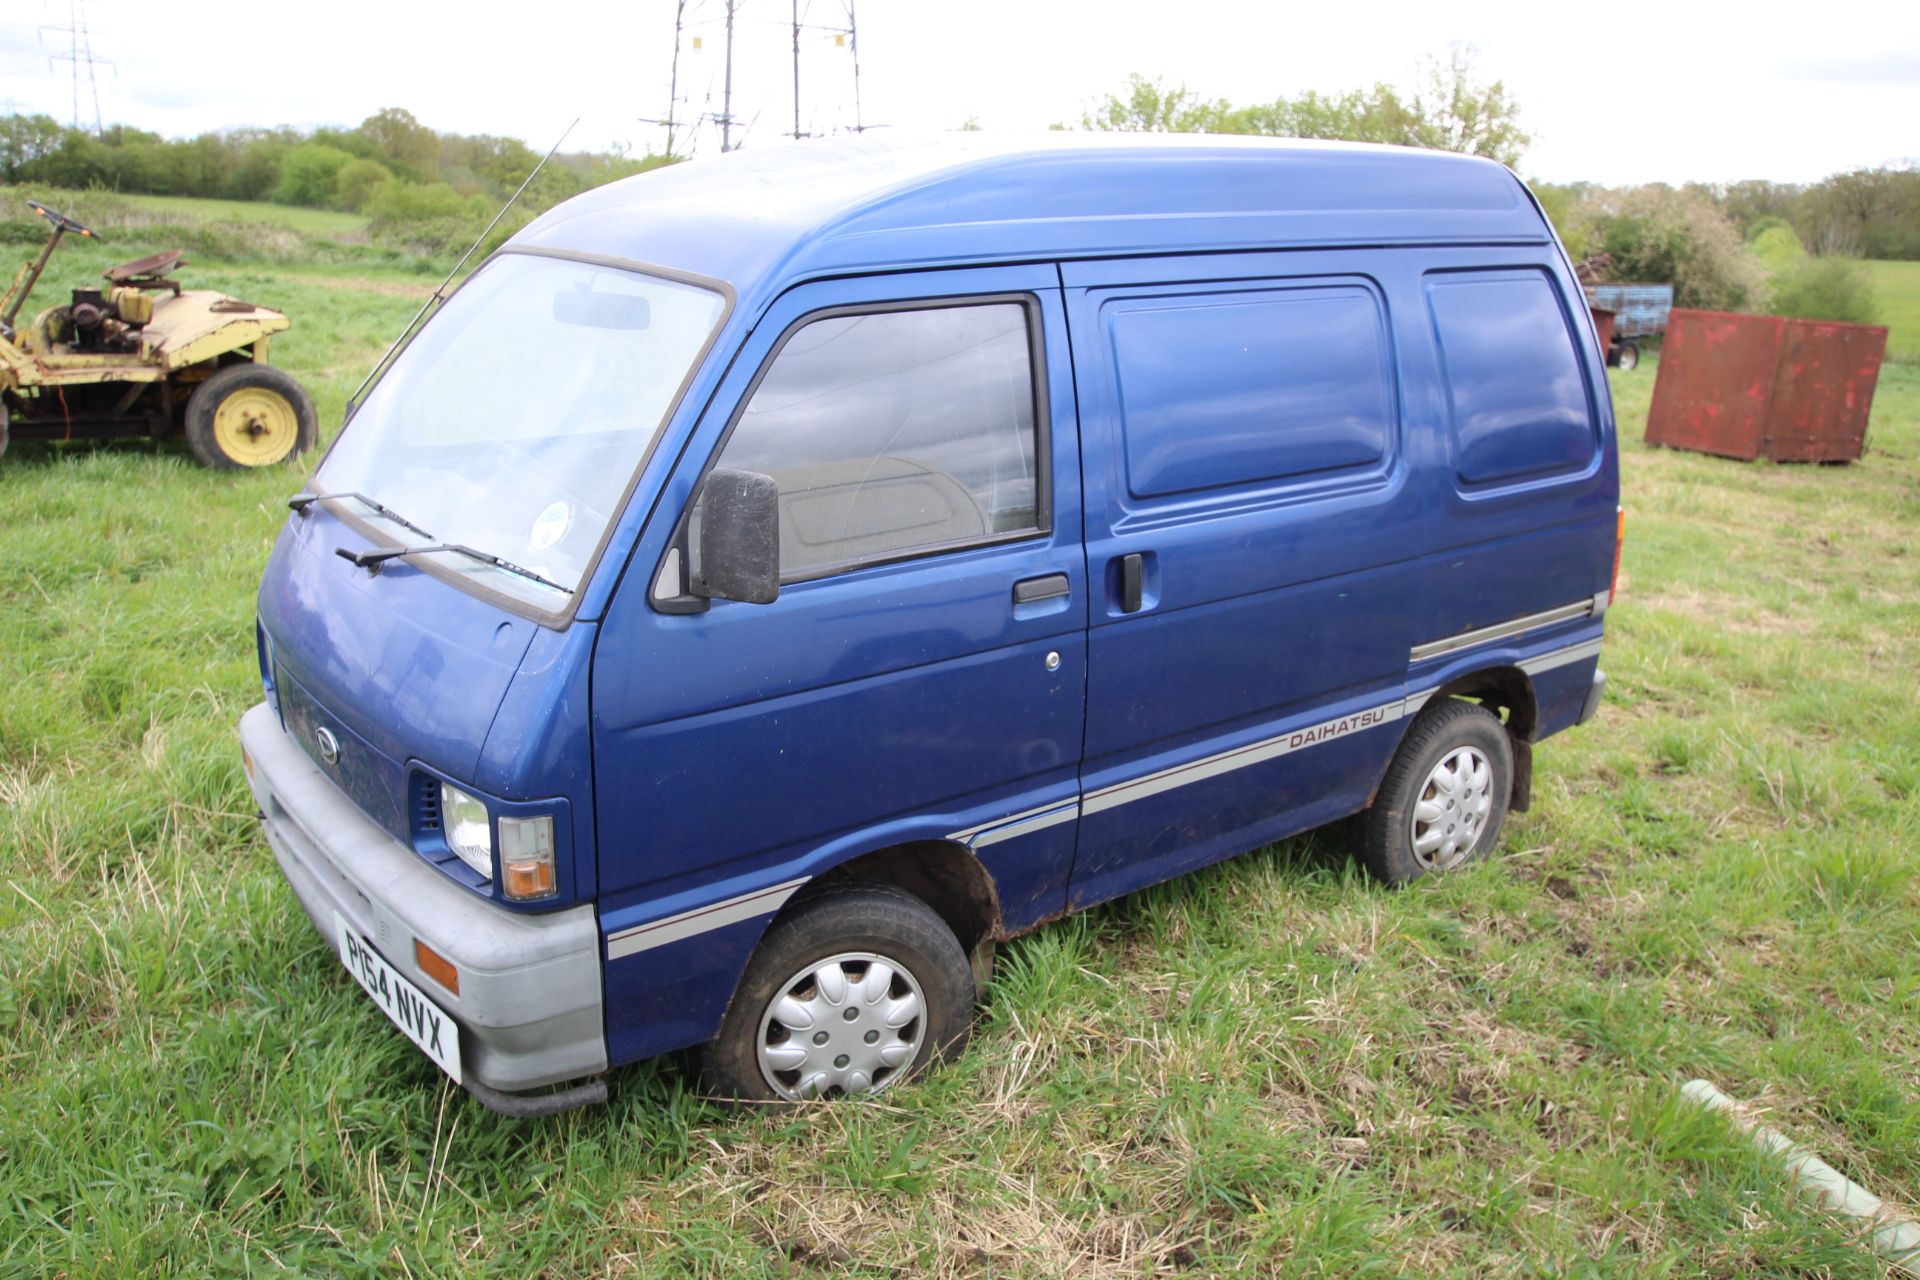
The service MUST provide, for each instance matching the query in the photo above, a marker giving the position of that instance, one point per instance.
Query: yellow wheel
(250, 415)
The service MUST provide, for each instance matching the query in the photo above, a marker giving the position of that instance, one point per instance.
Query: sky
(1619, 94)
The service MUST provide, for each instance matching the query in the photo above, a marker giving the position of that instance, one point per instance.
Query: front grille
(426, 803)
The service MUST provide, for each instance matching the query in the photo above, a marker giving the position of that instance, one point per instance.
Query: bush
(1824, 289)
(358, 183)
(308, 175)
(1777, 247)
(1657, 234)
(431, 218)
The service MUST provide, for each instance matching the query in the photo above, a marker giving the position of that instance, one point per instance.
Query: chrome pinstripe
(1506, 630)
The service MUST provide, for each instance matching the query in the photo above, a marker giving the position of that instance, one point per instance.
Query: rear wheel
(1627, 356)
(1444, 798)
(856, 989)
(250, 415)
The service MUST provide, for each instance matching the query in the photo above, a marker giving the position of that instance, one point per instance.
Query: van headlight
(468, 833)
(526, 858)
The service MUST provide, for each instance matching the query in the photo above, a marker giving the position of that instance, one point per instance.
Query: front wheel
(250, 415)
(1444, 797)
(859, 987)
(1627, 356)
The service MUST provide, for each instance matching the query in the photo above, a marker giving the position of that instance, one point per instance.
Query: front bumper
(530, 1005)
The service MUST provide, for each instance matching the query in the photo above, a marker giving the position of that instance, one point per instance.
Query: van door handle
(1132, 576)
(1050, 587)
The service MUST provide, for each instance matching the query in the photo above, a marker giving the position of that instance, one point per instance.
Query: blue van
(771, 581)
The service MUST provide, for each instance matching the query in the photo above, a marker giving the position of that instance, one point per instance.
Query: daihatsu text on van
(770, 581)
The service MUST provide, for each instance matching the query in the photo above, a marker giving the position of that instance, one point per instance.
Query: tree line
(1774, 246)
(419, 186)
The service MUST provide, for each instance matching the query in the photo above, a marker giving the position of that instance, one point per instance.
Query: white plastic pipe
(1896, 1237)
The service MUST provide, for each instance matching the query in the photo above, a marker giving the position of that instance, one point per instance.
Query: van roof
(763, 217)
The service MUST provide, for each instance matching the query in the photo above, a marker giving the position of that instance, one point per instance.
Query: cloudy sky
(1615, 94)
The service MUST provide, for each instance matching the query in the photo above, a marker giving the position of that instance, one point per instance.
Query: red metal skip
(1746, 386)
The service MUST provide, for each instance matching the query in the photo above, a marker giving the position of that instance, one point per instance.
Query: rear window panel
(1518, 403)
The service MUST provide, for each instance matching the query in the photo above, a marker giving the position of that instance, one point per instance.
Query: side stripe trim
(658, 933)
(761, 902)
(1561, 657)
(1112, 797)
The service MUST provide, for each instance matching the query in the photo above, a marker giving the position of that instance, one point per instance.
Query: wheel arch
(1508, 691)
(945, 874)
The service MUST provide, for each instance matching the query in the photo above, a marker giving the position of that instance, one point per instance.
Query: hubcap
(1452, 809)
(851, 1023)
(256, 427)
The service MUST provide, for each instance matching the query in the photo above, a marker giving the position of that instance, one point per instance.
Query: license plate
(425, 1023)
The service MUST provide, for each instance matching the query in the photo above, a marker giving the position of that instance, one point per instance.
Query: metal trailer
(1639, 311)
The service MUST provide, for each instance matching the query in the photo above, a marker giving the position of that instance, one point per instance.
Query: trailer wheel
(3, 429)
(1626, 356)
(250, 415)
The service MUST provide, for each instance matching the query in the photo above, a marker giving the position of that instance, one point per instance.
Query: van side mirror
(739, 538)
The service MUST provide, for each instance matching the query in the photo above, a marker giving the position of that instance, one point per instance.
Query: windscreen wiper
(372, 560)
(299, 502)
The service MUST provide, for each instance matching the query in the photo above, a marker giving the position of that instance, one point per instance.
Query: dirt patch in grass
(1726, 612)
(420, 289)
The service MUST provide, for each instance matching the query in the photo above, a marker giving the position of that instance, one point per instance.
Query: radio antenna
(439, 294)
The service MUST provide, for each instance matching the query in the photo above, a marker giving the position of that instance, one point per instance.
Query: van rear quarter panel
(1534, 530)
(1280, 603)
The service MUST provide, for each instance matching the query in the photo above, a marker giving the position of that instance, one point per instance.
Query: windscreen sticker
(550, 526)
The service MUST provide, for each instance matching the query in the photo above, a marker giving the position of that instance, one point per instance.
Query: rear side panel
(1527, 476)
(1293, 617)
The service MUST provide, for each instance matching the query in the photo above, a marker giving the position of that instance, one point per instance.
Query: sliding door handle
(1132, 582)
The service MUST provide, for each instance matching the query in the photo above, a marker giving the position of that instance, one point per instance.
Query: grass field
(1896, 295)
(1273, 1067)
(322, 222)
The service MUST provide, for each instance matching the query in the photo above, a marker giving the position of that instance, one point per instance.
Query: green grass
(1896, 295)
(320, 222)
(276, 237)
(1273, 1067)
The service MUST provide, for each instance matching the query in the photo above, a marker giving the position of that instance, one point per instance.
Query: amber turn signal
(436, 966)
(528, 879)
(1619, 541)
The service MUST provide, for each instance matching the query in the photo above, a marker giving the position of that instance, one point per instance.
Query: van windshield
(514, 420)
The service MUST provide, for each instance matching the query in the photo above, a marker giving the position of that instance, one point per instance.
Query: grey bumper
(1599, 689)
(529, 1006)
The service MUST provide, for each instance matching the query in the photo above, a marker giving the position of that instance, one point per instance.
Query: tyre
(3, 430)
(1444, 798)
(1628, 356)
(857, 988)
(250, 415)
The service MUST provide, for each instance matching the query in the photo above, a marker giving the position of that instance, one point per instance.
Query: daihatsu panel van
(771, 581)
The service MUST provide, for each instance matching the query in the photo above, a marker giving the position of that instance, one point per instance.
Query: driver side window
(895, 433)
